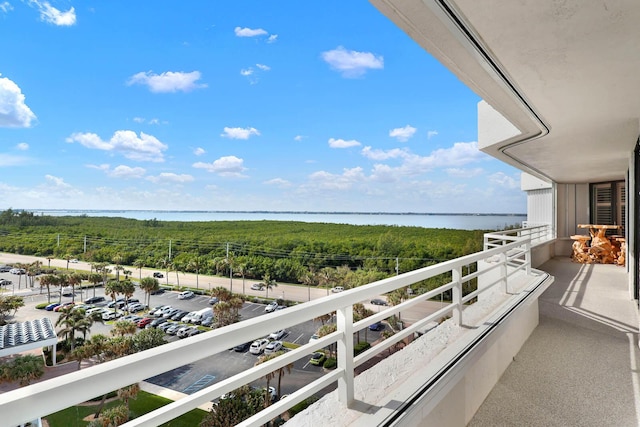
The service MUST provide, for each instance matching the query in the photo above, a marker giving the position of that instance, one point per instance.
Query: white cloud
(5, 7)
(239, 133)
(169, 81)
(351, 63)
(11, 160)
(299, 138)
(279, 182)
(142, 148)
(199, 151)
(341, 143)
(56, 182)
(272, 38)
(103, 167)
(402, 134)
(171, 178)
(395, 153)
(126, 172)
(464, 173)
(23, 146)
(328, 181)
(263, 67)
(138, 119)
(431, 133)
(249, 32)
(503, 180)
(228, 166)
(246, 71)
(52, 15)
(14, 113)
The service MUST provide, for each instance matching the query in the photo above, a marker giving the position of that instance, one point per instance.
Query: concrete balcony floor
(581, 365)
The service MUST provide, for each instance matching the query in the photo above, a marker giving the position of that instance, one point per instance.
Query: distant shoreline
(44, 211)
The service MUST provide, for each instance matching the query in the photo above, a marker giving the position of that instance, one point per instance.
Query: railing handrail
(58, 393)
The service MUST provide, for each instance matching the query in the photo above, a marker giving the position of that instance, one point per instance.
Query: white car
(75, 261)
(337, 289)
(257, 286)
(258, 346)
(273, 347)
(272, 306)
(135, 307)
(110, 315)
(186, 295)
(277, 334)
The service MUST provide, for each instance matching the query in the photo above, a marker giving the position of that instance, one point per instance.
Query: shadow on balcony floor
(580, 365)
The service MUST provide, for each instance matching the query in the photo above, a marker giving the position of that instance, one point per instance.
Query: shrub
(360, 347)
(330, 363)
(41, 306)
(299, 407)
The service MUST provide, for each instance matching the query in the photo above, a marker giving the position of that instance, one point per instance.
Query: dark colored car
(378, 301)
(241, 348)
(179, 315)
(157, 322)
(213, 300)
(378, 326)
(157, 291)
(94, 300)
(158, 275)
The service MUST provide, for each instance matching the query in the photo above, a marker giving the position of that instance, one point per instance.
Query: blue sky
(234, 105)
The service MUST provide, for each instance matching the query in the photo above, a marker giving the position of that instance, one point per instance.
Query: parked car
(336, 289)
(192, 332)
(116, 304)
(318, 358)
(5, 268)
(173, 329)
(157, 322)
(111, 315)
(179, 315)
(5, 282)
(241, 348)
(94, 300)
(378, 326)
(93, 310)
(271, 307)
(156, 310)
(145, 321)
(184, 331)
(157, 291)
(258, 346)
(132, 318)
(64, 306)
(186, 295)
(207, 321)
(273, 347)
(74, 261)
(277, 334)
(163, 326)
(378, 301)
(136, 307)
(168, 313)
(51, 306)
(257, 286)
(314, 337)
(213, 300)
(158, 275)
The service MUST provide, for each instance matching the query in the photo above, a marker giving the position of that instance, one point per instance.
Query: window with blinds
(608, 203)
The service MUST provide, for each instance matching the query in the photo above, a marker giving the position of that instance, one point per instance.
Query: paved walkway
(580, 367)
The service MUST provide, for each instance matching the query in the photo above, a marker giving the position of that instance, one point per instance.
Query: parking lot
(193, 377)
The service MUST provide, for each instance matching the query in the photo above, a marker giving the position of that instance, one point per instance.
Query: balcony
(484, 330)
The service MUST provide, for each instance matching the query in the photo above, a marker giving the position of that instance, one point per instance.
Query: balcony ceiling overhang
(565, 74)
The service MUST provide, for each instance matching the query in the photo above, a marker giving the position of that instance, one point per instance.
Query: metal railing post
(503, 271)
(344, 324)
(527, 257)
(456, 295)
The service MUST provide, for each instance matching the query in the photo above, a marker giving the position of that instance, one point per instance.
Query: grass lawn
(146, 402)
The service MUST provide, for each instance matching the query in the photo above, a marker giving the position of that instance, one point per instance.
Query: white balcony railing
(536, 232)
(511, 254)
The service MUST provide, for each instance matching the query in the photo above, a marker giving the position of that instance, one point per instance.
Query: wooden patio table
(601, 248)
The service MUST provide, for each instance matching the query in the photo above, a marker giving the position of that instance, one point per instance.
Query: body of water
(452, 221)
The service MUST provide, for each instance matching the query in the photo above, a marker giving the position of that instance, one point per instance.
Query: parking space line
(296, 340)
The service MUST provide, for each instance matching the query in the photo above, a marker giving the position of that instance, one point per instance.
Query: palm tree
(223, 294)
(127, 288)
(361, 312)
(195, 264)
(117, 260)
(49, 280)
(94, 279)
(68, 257)
(326, 330)
(280, 372)
(124, 327)
(112, 288)
(148, 285)
(139, 264)
(74, 279)
(268, 377)
(164, 263)
(72, 321)
(241, 270)
(61, 282)
(269, 283)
